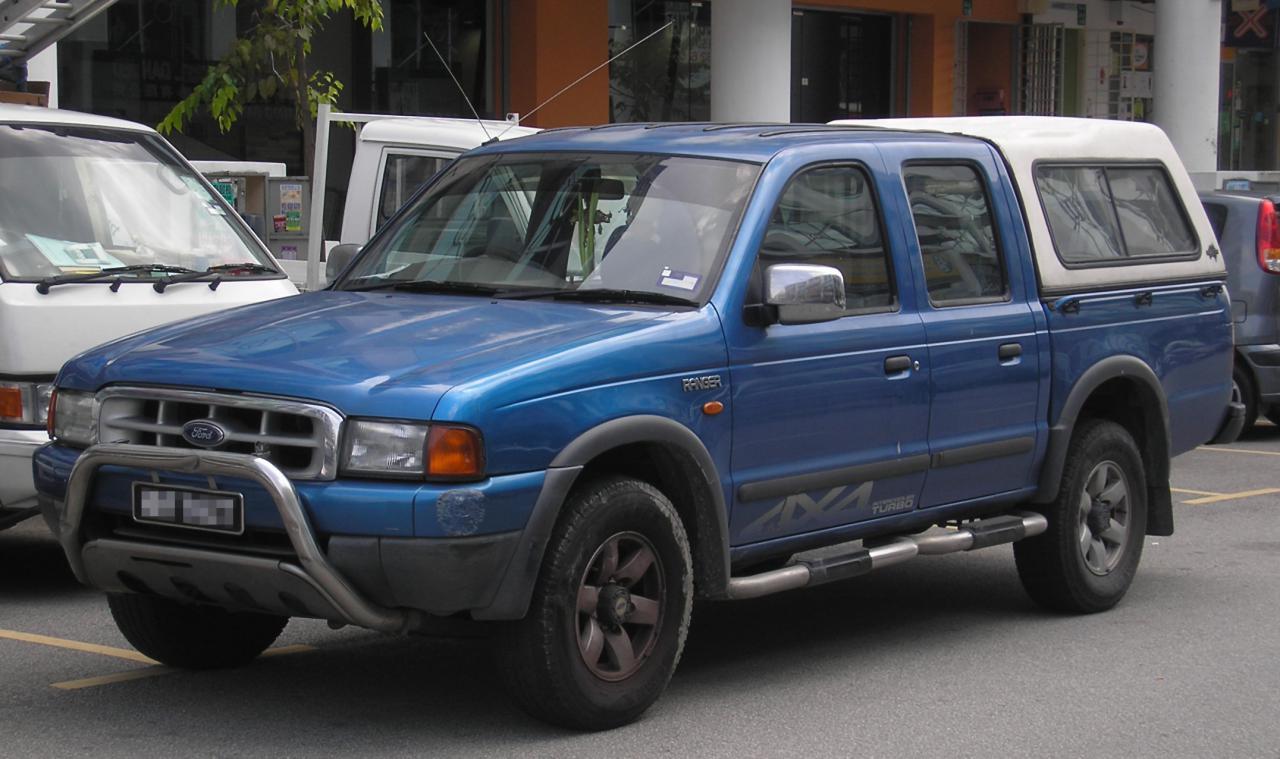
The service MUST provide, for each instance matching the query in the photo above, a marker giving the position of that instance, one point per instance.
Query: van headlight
(72, 418)
(24, 403)
(412, 450)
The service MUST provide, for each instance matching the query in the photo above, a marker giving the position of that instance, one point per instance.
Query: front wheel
(1085, 561)
(610, 610)
(190, 636)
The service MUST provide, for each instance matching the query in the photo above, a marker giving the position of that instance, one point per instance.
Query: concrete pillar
(751, 60)
(1186, 78)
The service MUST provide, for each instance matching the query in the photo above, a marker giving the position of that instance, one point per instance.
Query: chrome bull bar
(313, 566)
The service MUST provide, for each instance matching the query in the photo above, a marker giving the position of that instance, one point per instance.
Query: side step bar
(887, 552)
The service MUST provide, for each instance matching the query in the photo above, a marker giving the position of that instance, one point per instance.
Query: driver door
(830, 419)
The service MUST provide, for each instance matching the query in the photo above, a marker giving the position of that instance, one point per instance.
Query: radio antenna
(571, 85)
(458, 84)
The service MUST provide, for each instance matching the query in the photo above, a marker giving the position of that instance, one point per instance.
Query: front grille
(300, 439)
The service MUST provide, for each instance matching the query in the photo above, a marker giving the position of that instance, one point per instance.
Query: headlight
(72, 418)
(397, 449)
(24, 402)
(386, 448)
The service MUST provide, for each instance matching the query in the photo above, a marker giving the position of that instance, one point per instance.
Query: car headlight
(25, 403)
(388, 448)
(71, 418)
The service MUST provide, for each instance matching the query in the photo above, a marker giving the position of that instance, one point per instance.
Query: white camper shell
(1033, 145)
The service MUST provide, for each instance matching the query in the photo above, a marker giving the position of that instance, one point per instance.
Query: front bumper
(381, 582)
(17, 491)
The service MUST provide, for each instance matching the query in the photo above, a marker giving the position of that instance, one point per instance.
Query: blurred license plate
(188, 507)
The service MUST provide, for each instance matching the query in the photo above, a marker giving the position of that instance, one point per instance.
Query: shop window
(668, 78)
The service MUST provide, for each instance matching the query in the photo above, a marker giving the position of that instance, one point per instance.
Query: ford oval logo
(204, 433)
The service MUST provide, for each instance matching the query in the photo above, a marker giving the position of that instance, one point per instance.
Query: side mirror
(339, 257)
(804, 293)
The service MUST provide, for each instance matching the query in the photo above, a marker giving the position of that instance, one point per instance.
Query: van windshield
(565, 225)
(79, 200)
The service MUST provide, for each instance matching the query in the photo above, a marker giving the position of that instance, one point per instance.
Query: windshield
(566, 223)
(79, 200)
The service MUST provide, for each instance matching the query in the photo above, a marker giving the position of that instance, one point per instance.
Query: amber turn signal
(711, 408)
(11, 405)
(454, 452)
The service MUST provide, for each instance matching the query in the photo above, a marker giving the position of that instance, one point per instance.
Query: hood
(367, 354)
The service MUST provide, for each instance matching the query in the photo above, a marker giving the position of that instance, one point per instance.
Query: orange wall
(553, 42)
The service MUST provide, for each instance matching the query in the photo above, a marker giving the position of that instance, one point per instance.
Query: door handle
(897, 364)
(1009, 351)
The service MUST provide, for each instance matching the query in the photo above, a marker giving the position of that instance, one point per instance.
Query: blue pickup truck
(586, 376)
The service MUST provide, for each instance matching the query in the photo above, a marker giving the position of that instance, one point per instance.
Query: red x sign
(1251, 23)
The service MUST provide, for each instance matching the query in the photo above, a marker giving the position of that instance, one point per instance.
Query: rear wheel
(1244, 391)
(190, 636)
(610, 610)
(1085, 561)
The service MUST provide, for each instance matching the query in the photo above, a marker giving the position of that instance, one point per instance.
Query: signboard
(1255, 28)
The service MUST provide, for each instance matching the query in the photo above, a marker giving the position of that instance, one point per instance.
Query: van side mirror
(804, 293)
(339, 257)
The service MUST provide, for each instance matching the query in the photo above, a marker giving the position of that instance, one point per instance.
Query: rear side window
(828, 216)
(957, 240)
(1107, 215)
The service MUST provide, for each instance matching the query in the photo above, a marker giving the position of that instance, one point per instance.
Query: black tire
(546, 658)
(193, 637)
(1062, 568)
(1244, 390)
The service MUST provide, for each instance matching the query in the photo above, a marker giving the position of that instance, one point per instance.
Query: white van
(396, 156)
(105, 230)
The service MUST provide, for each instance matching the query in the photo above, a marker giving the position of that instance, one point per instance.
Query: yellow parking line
(1231, 496)
(145, 672)
(75, 645)
(118, 677)
(1193, 492)
(1223, 449)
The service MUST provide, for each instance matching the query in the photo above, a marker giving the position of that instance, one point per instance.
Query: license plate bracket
(188, 508)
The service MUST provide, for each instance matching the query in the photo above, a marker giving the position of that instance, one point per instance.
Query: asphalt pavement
(942, 656)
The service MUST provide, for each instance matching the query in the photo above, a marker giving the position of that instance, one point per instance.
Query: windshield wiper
(43, 285)
(252, 266)
(611, 295)
(191, 276)
(430, 286)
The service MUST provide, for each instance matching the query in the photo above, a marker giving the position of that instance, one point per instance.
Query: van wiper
(43, 285)
(216, 271)
(430, 286)
(610, 295)
(252, 266)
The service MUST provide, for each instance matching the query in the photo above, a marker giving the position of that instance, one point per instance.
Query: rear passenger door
(983, 348)
(830, 419)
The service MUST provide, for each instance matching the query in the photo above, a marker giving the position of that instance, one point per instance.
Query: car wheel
(1086, 559)
(193, 637)
(1243, 391)
(610, 610)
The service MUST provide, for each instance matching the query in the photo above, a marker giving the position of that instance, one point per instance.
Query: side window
(828, 216)
(402, 175)
(1102, 215)
(954, 227)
